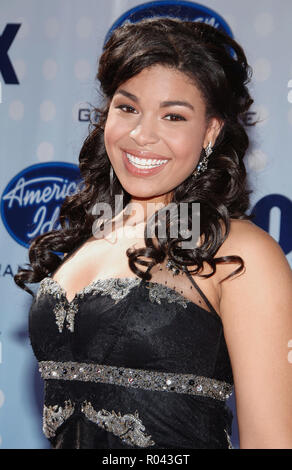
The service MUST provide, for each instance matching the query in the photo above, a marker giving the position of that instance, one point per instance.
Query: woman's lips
(139, 171)
(144, 154)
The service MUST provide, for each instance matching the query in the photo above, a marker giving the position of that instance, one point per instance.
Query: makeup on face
(155, 131)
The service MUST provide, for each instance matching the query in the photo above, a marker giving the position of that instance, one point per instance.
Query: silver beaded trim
(54, 416)
(228, 440)
(136, 378)
(159, 291)
(171, 266)
(129, 428)
(117, 288)
(60, 314)
(64, 312)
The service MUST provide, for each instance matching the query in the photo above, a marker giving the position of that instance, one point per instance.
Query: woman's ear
(213, 130)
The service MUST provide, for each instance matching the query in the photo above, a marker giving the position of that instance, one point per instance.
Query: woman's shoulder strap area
(208, 303)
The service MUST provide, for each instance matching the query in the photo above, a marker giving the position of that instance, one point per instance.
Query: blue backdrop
(48, 62)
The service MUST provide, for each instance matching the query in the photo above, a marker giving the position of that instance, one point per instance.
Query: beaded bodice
(129, 363)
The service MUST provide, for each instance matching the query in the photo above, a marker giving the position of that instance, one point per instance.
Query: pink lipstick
(131, 162)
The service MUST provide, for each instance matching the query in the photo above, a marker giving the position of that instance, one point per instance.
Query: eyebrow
(163, 104)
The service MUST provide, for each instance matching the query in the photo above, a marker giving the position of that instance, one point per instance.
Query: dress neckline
(134, 280)
(91, 285)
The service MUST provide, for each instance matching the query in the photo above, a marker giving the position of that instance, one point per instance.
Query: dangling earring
(202, 166)
(111, 179)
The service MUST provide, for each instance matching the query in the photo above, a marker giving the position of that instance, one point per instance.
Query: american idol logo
(30, 203)
(188, 11)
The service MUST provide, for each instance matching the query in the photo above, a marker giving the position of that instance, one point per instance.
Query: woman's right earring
(111, 179)
(203, 164)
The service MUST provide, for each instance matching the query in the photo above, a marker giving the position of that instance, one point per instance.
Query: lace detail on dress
(60, 314)
(54, 416)
(228, 440)
(159, 291)
(116, 288)
(129, 428)
(64, 313)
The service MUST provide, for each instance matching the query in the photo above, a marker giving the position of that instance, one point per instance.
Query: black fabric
(135, 333)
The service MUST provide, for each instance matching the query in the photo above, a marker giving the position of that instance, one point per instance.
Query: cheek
(114, 130)
(111, 132)
(186, 145)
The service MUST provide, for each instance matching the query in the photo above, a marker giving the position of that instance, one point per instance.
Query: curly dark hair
(218, 67)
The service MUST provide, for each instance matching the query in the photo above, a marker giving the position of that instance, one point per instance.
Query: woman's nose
(144, 132)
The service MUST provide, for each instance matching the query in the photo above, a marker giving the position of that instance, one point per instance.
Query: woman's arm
(256, 311)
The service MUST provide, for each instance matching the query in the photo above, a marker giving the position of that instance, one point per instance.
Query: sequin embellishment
(60, 314)
(137, 378)
(54, 416)
(159, 291)
(128, 427)
(171, 266)
(116, 288)
(228, 440)
(64, 313)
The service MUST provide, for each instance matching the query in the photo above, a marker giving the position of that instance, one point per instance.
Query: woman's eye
(174, 117)
(126, 108)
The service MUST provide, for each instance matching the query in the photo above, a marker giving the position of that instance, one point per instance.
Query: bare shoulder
(256, 312)
(265, 280)
(255, 307)
(264, 263)
(244, 235)
(259, 251)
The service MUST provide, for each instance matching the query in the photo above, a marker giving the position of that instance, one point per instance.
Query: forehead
(159, 80)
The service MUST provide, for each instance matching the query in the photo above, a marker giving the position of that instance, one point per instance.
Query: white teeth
(143, 163)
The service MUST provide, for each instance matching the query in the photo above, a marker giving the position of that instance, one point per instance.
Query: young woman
(146, 358)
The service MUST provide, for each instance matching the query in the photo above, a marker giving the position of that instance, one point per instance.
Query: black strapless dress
(131, 364)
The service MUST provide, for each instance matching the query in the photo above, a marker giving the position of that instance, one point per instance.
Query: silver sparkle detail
(54, 416)
(116, 288)
(129, 428)
(157, 292)
(137, 378)
(228, 440)
(171, 266)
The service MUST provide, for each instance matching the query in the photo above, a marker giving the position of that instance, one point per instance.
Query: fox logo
(6, 67)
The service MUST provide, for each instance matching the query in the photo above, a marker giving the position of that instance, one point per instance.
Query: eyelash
(122, 106)
(129, 108)
(177, 116)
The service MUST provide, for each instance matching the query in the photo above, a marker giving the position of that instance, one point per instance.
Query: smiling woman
(137, 358)
(164, 127)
